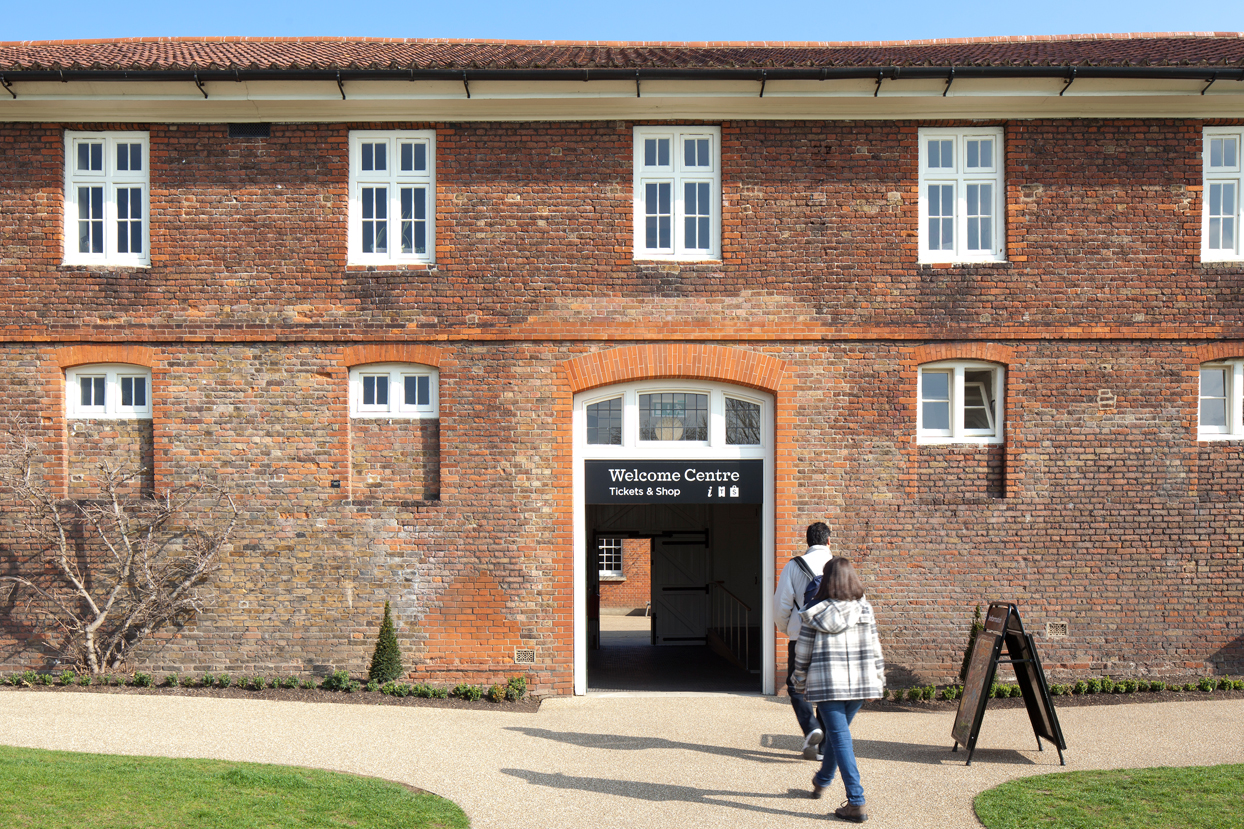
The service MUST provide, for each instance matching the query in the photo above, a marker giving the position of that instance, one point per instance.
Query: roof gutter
(758, 74)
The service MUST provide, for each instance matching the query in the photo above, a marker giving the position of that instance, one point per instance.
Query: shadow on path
(623, 742)
(662, 793)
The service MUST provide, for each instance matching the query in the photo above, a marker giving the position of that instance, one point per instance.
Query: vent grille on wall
(250, 130)
(525, 656)
(1055, 630)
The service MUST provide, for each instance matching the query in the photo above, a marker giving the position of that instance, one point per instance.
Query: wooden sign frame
(1002, 626)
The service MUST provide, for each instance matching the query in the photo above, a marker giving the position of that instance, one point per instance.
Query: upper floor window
(658, 418)
(394, 390)
(1222, 210)
(108, 392)
(107, 188)
(1220, 413)
(677, 193)
(961, 195)
(609, 557)
(392, 197)
(959, 402)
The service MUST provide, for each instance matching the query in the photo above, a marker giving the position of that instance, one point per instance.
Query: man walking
(787, 602)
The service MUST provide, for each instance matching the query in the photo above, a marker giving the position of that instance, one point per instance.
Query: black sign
(1002, 625)
(674, 482)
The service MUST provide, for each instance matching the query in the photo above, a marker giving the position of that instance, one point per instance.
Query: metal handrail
(728, 618)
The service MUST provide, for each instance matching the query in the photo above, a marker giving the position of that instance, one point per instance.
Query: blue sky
(627, 20)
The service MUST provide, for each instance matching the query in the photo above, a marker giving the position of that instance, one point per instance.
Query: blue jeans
(835, 717)
(803, 708)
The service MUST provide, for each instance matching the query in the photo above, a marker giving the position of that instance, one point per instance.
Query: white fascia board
(320, 101)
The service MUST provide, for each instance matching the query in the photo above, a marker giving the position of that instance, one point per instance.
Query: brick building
(460, 321)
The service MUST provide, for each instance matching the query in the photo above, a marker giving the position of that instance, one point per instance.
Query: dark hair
(839, 582)
(818, 533)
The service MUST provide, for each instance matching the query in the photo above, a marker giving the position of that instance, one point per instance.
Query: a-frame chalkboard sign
(1002, 625)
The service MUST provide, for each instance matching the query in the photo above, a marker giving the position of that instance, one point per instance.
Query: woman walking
(838, 665)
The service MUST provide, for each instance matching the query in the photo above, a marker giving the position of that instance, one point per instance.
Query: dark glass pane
(665, 194)
(650, 232)
(936, 415)
(123, 156)
(666, 225)
(84, 156)
(84, 384)
(98, 383)
(1213, 382)
(421, 203)
(369, 198)
(742, 423)
(136, 237)
(663, 152)
(650, 152)
(935, 385)
(127, 391)
(421, 157)
(382, 391)
(123, 203)
(689, 193)
(369, 391)
(604, 422)
(97, 236)
(382, 163)
(688, 156)
(140, 391)
(97, 156)
(369, 161)
(136, 156)
(421, 237)
(689, 226)
(704, 242)
(702, 152)
(672, 416)
(408, 157)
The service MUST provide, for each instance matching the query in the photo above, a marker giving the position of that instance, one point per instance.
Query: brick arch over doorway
(673, 360)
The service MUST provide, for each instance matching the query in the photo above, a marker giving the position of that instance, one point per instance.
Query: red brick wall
(636, 591)
(1101, 509)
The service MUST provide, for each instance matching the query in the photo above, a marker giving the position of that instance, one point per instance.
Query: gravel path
(628, 760)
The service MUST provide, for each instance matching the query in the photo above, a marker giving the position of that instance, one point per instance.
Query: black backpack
(814, 583)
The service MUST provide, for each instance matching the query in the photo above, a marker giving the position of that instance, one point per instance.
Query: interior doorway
(683, 468)
(677, 591)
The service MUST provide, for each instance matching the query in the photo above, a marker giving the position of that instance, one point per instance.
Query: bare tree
(107, 573)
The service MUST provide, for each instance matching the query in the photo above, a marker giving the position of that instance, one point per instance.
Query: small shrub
(1080, 687)
(471, 693)
(386, 659)
(289, 682)
(1094, 686)
(373, 686)
(1156, 685)
(1237, 684)
(1129, 686)
(404, 690)
(307, 684)
(142, 680)
(1207, 684)
(440, 693)
(389, 689)
(171, 681)
(1142, 685)
(1017, 691)
(47, 679)
(84, 680)
(209, 680)
(496, 693)
(336, 681)
(224, 681)
(353, 687)
(1057, 690)
(914, 694)
(1107, 685)
(67, 677)
(1191, 686)
(1224, 684)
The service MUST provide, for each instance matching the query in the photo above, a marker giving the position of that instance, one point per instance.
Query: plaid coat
(838, 656)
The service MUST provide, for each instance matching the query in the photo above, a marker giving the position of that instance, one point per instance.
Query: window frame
(961, 177)
(958, 433)
(111, 179)
(632, 447)
(1234, 380)
(112, 374)
(678, 176)
(396, 408)
(1227, 174)
(613, 575)
(393, 179)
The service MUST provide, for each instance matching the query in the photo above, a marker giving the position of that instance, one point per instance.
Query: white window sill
(942, 440)
(1217, 257)
(1212, 437)
(613, 578)
(655, 257)
(951, 263)
(104, 263)
(394, 415)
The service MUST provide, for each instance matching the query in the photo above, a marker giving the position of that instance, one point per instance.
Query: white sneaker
(810, 743)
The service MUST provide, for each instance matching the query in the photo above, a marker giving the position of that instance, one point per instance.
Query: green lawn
(1162, 798)
(85, 791)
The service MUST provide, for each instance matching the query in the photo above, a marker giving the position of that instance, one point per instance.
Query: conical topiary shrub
(386, 660)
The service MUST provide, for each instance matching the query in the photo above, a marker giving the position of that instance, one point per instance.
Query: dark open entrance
(674, 597)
